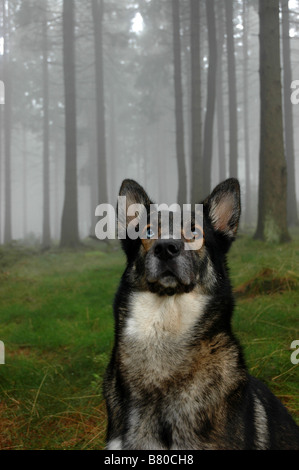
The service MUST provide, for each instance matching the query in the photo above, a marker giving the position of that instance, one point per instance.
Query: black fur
(177, 379)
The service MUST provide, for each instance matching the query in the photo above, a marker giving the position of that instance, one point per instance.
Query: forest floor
(56, 323)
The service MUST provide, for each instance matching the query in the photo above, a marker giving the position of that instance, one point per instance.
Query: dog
(177, 379)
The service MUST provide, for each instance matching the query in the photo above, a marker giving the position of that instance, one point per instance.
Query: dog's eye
(150, 233)
(196, 233)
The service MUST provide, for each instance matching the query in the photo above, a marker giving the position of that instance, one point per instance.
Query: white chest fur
(152, 315)
(154, 345)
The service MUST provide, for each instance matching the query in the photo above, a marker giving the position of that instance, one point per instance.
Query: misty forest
(178, 95)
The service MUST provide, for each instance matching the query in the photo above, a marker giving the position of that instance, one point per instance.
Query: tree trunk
(46, 237)
(180, 151)
(7, 127)
(246, 115)
(98, 12)
(272, 218)
(1, 140)
(232, 91)
(92, 153)
(210, 112)
(292, 215)
(69, 223)
(25, 173)
(57, 188)
(196, 137)
(113, 132)
(219, 96)
(1, 154)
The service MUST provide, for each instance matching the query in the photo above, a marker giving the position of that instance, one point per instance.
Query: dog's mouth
(169, 283)
(168, 279)
(169, 276)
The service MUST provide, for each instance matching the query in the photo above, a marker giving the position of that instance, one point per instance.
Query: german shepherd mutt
(177, 377)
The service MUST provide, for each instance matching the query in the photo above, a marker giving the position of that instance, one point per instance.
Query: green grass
(57, 325)
(266, 319)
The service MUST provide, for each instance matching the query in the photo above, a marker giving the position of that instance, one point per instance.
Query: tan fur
(155, 358)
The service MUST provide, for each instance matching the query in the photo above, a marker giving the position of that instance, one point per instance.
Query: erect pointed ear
(133, 199)
(134, 193)
(224, 207)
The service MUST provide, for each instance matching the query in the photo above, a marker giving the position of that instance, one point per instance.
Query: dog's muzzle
(168, 270)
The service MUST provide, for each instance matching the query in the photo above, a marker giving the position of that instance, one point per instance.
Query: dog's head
(180, 260)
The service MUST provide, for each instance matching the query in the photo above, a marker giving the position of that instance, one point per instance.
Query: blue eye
(197, 232)
(150, 233)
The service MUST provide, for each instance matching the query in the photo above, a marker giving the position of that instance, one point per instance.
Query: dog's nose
(167, 249)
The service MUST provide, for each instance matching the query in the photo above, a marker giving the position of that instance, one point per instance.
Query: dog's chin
(169, 285)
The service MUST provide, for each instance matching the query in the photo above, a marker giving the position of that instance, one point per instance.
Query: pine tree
(272, 210)
(69, 224)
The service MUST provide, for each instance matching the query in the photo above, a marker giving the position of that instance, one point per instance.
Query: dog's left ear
(224, 207)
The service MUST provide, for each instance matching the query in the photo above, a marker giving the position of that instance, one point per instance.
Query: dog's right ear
(133, 204)
(134, 194)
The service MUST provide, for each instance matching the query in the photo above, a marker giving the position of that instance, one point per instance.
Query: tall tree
(2, 100)
(292, 215)
(46, 237)
(196, 137)
(219, 94)
(272, 210)
(98, 13)
(180, 150)
(246, 114)
(210, 111)
(1, 140)
(7, 75)
(232, 91)
(69, 223)
(25, 175)
(113, 140)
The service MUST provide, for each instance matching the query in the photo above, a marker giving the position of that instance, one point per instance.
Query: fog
(141, 90)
